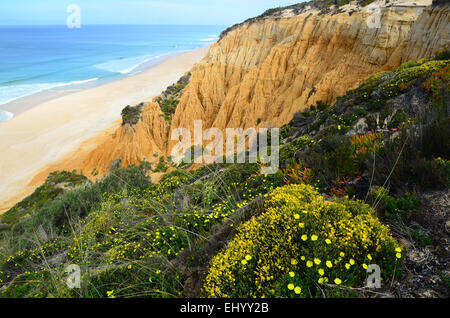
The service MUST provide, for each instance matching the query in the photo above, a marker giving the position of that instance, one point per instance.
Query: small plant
(396, 208)
(298, 174)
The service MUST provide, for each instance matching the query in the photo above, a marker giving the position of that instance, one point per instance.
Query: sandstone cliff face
(261, 74)
(276, 67)
(129, 143)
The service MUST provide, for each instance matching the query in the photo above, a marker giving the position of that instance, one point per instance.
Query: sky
(196, 12)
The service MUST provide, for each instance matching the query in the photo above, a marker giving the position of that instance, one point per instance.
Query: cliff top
(331, 7)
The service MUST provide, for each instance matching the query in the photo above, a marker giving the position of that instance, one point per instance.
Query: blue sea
(41, 58)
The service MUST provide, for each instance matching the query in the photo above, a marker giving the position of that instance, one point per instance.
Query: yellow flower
(321, 280)
(293, 261)
(398, 250)
(297, 216)
(292, 274)
(303, 258)
(399, 255)
(297, 290)
(328, 241)
(130, 266)
(321, 272)
(347, 266)
(309, 264)
(244, 262)
(337, 281)
(248, 257)
(301, 225)
(314, 238)
(291, 287)
(341, 254)
(317, 261)
(369, 257)
(304, 237)
(352, 261)
(329, 264)
(364, 266)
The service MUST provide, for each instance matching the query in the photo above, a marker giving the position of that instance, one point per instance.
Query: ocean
(41, 58)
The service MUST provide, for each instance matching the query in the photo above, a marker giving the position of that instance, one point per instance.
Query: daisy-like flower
(321, 271)
(304, 237)
(297, 290)
(328, 241)
(292, 274)
(291, 286)
(248, 257)
(352, 261)
(309, 264)
(314, 237)
(329, 264)
(294, 262)
(337, 281)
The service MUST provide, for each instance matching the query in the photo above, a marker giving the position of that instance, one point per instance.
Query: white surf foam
(11, 93)
(5, 116)
(126, 65)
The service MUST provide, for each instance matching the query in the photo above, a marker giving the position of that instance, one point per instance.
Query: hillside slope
(363, 181)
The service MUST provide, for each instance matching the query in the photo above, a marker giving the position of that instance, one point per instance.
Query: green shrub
(396, 208)
(132, 115)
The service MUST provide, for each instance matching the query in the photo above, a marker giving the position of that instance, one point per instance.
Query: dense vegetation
(131, 115)
(310, 230)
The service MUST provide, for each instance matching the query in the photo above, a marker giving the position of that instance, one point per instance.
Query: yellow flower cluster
(300, 233)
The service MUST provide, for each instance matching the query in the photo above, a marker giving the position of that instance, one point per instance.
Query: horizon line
(111, 24)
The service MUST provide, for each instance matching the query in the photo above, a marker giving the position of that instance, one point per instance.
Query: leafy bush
(300, 244)
(396, 208)
(132, 115)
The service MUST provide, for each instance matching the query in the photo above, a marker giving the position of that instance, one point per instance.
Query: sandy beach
(50, 130)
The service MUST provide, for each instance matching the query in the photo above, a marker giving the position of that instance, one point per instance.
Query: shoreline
(44, 133)
(25, 103)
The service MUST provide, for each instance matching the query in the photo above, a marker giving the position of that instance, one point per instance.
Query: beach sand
(42, 135)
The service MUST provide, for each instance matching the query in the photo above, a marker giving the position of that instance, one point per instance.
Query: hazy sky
(215, 12)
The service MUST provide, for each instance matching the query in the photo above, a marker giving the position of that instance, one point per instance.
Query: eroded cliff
(262, 72)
